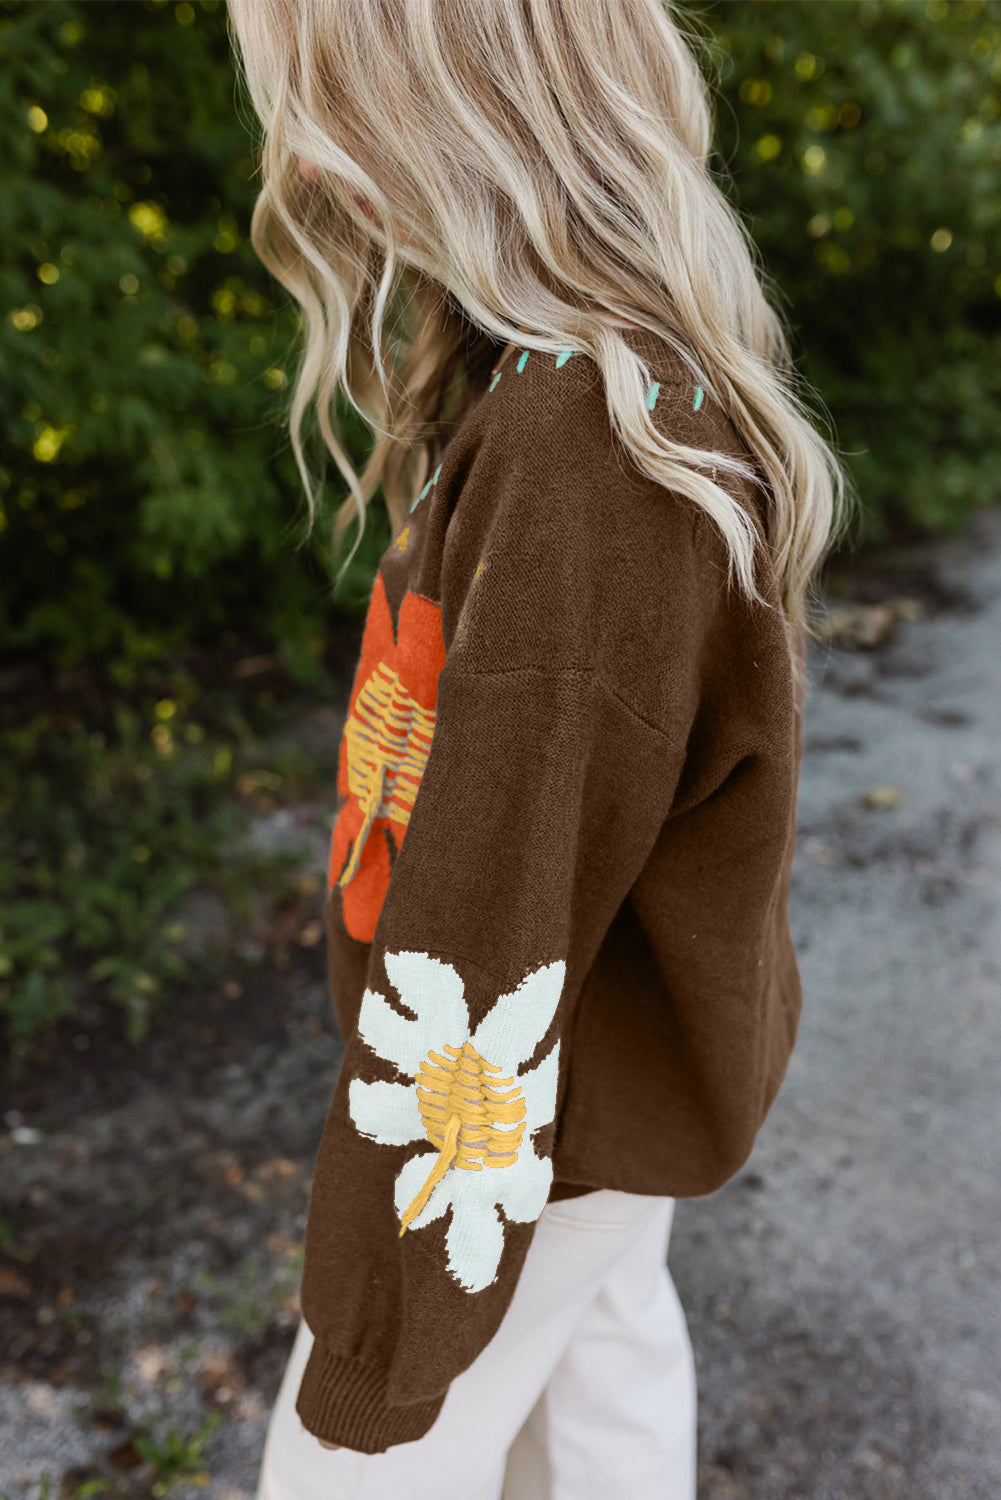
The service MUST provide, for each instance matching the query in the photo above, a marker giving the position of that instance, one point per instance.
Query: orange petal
(361, 901)
(420, 648)
(346, 826)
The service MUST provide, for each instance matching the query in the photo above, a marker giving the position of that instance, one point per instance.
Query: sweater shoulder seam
(548, 671)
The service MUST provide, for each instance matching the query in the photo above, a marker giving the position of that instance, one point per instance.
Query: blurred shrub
(149, 499)
(148, 493)
(104, 835)
(865, 139)
(148, 496)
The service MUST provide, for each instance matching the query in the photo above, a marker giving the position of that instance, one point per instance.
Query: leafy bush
(148, 494)
(103, 832)
(148, 497)
(866, 142)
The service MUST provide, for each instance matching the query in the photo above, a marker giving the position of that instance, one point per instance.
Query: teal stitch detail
(495, 379)
(651, 400)
(414, 503)
(699, 393)
(436, 473)
(523, 361)
(561, 359)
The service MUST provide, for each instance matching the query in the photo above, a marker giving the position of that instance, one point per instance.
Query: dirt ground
(843, 1291)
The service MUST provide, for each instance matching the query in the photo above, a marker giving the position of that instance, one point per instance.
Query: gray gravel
(843, 1291)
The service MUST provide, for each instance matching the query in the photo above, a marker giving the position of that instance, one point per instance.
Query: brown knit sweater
(557, 905)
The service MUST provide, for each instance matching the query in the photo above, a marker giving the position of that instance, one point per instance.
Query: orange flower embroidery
(384, 749)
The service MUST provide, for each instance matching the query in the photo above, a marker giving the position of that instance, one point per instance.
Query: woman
(557, 898)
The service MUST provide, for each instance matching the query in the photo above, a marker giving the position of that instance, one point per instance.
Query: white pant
(585, 1392)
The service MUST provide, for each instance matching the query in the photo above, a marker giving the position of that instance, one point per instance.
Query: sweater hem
(343, 1401)
(561, 1190)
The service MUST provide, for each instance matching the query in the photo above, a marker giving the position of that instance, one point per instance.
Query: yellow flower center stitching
(462, 1112)
(388, 737)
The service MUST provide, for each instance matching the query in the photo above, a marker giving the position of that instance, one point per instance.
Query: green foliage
(148, 497)
(177, 1459)
(102, 834)
(865, 139)
(148, 494)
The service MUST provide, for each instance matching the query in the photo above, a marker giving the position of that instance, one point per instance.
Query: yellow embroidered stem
(373, 802)
(441, 1166)
(462, 1112)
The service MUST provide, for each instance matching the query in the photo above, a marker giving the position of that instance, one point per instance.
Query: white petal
(513, 1028)
(434, 991)
(525, 1186)
(475, 1237)
(385, 1112)
(539, 1087)
(412, 1177)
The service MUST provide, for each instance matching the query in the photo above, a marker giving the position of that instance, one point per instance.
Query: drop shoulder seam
(572, 672)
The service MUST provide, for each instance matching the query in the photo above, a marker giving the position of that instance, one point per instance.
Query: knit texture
(557, 898)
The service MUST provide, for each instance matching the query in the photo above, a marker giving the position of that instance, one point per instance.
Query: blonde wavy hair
(520, 171)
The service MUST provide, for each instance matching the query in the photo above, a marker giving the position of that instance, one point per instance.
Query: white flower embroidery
(467, 1100)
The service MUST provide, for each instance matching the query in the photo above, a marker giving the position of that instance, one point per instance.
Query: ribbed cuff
(343, 1401)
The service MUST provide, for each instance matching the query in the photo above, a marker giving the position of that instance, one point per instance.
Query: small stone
(882, 795)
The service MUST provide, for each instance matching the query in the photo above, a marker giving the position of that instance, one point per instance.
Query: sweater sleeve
(544, 769)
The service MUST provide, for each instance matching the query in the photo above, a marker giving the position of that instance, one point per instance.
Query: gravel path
(843, 1291)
